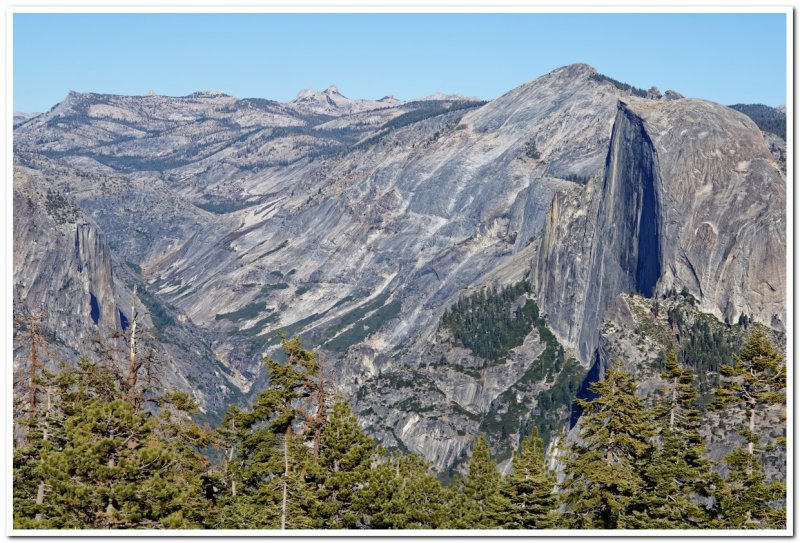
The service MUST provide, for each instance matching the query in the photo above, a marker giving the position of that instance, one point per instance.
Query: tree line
(98, 446)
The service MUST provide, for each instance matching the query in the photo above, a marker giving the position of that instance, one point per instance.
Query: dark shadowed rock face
(690, 198)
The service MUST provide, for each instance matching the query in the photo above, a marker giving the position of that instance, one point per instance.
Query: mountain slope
(355, 224)
(65, 270)
(690, 197)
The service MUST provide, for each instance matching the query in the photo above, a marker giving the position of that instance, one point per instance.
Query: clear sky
(728, 58)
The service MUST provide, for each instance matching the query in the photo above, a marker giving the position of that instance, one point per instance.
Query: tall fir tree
(267, 467)
(477, 497)
(529, 500)
(756, 382)
(400, 492)
(603, 481)
(678, 477)
(344, 461)
(109, 464)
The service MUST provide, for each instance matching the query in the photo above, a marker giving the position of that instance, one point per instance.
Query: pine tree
(399, 493)
(345, 457)
(109, 464)
(603, 469)
(678, 475)
(529, 499)
(270, 456)
(478, 497)
(756, 382)
(43, 432)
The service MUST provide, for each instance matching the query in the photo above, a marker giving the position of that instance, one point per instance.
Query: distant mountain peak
(441, 96)
(579, 69)
(332, 102)
(311, 93)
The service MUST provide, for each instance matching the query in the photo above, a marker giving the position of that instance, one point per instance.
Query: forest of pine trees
(97, 448)
(485, 323)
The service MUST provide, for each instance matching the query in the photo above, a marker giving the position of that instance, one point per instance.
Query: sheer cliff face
(65, 270)
(690, 197)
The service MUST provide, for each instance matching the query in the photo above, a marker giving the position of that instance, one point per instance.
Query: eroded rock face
(65, 271)
(61, 263)
(690, 197)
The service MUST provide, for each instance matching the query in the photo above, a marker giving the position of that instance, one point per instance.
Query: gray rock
(689, 198)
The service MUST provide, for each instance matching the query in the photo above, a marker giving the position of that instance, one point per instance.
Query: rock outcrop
(65, 271)
(689, 198)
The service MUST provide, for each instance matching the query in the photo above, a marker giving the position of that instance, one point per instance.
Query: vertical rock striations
(690, 198)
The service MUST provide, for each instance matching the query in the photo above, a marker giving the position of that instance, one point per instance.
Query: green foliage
(756, 382)
(159, 314)
(768, 119)
(564, 377)
(485, 323)
(90, 457)
(249, 311)
(530, 151)
(678, 471)
(62, 210)
(757, 379)
(746, 500)
(400, 492)
(265, 449)
(422, 110)
(360, 322)
(603, 483)
(338, 473)
(707, 347)
(93, 459)
(221, 206)
(528, 493)
(477, 497)
(621, 86)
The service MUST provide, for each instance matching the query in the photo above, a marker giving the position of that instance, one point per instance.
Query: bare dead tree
(28, 378)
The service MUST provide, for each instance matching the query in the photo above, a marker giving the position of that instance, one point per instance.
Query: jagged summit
(332, 102)
(310, 93)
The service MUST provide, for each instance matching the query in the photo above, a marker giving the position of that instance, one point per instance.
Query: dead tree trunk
(133, 364)
(286, 438)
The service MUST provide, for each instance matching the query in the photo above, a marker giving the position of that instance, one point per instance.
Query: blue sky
(727, 58)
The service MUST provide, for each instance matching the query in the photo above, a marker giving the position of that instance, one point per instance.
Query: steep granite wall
(690, 197)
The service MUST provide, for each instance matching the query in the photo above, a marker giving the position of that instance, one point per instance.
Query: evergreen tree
(603, 469)
(345, 457)
(109, 464)
(269, 456)
(477, 498)
(529, 498)
(43, 432)
(678, 474)
(400, 492)
(747, 500)
(756, 382)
